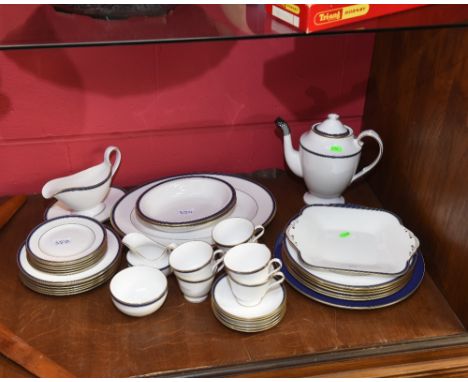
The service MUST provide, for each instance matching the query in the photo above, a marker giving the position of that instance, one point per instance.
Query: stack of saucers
(350, 256)
(68, 255)
(248, 319)
(250, 297)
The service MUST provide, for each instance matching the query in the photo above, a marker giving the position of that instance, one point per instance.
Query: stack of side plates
(230, 313)
(59, 284)
(66, 245)
(350, 278)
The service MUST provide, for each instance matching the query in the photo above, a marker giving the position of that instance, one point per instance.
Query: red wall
(170, 108)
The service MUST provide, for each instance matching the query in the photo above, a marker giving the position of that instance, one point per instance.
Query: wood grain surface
(88, 336)
(10, 369)
(448, 362)
(9, 206)
(418, 102)
(29, 358)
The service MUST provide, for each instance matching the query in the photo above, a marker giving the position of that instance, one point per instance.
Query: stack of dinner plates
(267, 314)
(68, 255)
(350, 257)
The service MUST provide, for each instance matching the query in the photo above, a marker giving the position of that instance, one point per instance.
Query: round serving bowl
(186, 203)
(138, 291)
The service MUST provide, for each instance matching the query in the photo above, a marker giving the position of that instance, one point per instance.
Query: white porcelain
(184, 203)
(352, 239)
(195, 261)
(254, 203)
(252, 295)
(85, 191)
(140, 311)
(327, 158)
(162, 263)
(109, 258)
(146, 247)
(224, 298)
(138, 291)
(59, 209)
(195, 291)
(66, 239)
(234, 231)
(251, 263)
(345, 279)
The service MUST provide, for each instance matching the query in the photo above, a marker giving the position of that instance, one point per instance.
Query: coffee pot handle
(366, 169)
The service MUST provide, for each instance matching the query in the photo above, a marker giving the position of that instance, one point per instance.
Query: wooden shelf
(89, 337)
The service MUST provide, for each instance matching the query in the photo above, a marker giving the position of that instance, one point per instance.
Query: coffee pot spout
(293, 159)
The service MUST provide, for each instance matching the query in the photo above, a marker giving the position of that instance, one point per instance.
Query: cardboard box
(315, 17)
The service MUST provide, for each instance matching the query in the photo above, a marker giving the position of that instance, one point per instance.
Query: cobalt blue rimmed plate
(402, 294)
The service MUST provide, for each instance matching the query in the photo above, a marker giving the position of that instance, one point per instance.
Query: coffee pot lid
(332, 127)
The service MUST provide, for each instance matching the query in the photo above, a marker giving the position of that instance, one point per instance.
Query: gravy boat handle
(107, 158)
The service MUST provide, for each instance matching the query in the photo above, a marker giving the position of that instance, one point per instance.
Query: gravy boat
(145, 247)
(85, 191)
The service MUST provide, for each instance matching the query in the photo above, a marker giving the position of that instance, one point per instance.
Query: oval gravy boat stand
(84, 191)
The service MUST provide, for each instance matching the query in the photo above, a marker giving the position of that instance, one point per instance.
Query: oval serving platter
(254, 202)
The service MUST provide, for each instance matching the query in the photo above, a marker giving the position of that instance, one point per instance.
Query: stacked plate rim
(378, 286)
(361, 289)
(66, 245)
(59, 284)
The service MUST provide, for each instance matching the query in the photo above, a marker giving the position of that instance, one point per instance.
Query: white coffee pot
(327, 159)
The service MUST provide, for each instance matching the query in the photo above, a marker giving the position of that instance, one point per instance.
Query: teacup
(251, 295)
(195, 291)
(196, 260)
(251, 263)
(234, 231)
